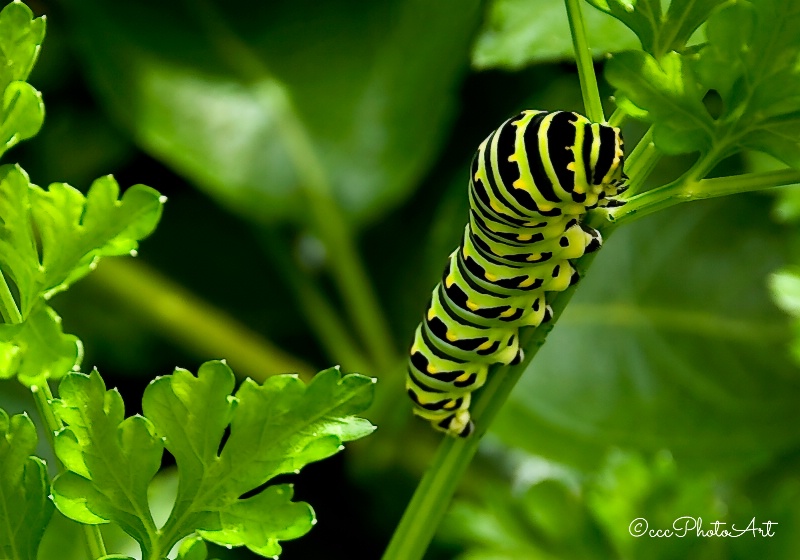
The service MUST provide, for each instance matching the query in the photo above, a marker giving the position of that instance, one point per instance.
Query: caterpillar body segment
(531, 183)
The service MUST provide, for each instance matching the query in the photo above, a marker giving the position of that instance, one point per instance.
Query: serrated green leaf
(38, 349)
(665, 93)
(260, 522)
(517, 33)
(25, 508)
(660, 32)
(655, 353)
(753, 60)
(70, 231)
(275, 428)
(208, 107)
(110, 459)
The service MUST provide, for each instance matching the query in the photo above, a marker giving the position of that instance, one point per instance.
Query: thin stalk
(324, 319)
(347, 269)
(8, 307)
(641, 163)
(193, 323)
(617, 117)
(44, 398)
(684, 190)
(583, 56)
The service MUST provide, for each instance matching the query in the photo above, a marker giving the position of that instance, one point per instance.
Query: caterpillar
(531, 183)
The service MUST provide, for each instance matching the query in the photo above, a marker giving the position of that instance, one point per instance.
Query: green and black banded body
(531, 183)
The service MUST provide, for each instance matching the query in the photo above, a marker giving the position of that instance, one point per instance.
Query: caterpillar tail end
(457, 425)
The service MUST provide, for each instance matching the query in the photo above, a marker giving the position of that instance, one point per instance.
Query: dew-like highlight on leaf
(162, 199)
(134, 253)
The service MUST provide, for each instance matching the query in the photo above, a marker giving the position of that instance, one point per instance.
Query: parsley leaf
(25, 508)
(21, 110)
(277, 427)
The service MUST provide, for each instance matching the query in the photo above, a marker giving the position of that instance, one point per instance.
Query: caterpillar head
(605, 158)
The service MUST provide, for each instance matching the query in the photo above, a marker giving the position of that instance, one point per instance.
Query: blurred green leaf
(23, 489)
(670, 343)
(38, 349)
(193, 548)
(552, 519)
(660, 32)
(51, 238)
(22, 114)
(21, 36)
(278, 427)
(518, 33)
(665, 93)
(204, 90)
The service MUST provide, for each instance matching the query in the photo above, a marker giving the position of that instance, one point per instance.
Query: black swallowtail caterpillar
(531, 183)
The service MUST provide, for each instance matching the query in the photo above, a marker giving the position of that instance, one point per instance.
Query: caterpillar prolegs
(531, 183)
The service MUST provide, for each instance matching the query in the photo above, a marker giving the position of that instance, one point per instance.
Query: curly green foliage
(51, 238)
(25, 508)
(750, 60)
(38, 349)
(660, 32)
(278, 427)
(22, 110)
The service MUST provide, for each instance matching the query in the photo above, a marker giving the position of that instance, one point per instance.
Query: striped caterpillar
(531, 183)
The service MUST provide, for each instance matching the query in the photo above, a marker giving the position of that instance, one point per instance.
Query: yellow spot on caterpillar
(534, 257)
(508, 313)
(431, 314)
(545, 207)
(579, 189)
(451, 337)
(571, 166)
(518, 184)
(490, 277)
(472, 306)
(525, 283)
(485, 345)
(450, 405)
(513, 157)
(462, 377)
(414, 348)
(449, 280)
(432, 369)
(495, 206)
(524, 237)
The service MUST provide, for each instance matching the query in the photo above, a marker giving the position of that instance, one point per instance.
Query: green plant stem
(641, 163)
(44, 398)
(347, 269)
(186, 319)
(617, 117)
(583, 56)
(323, 318)
(686, 189)
(8, 307)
